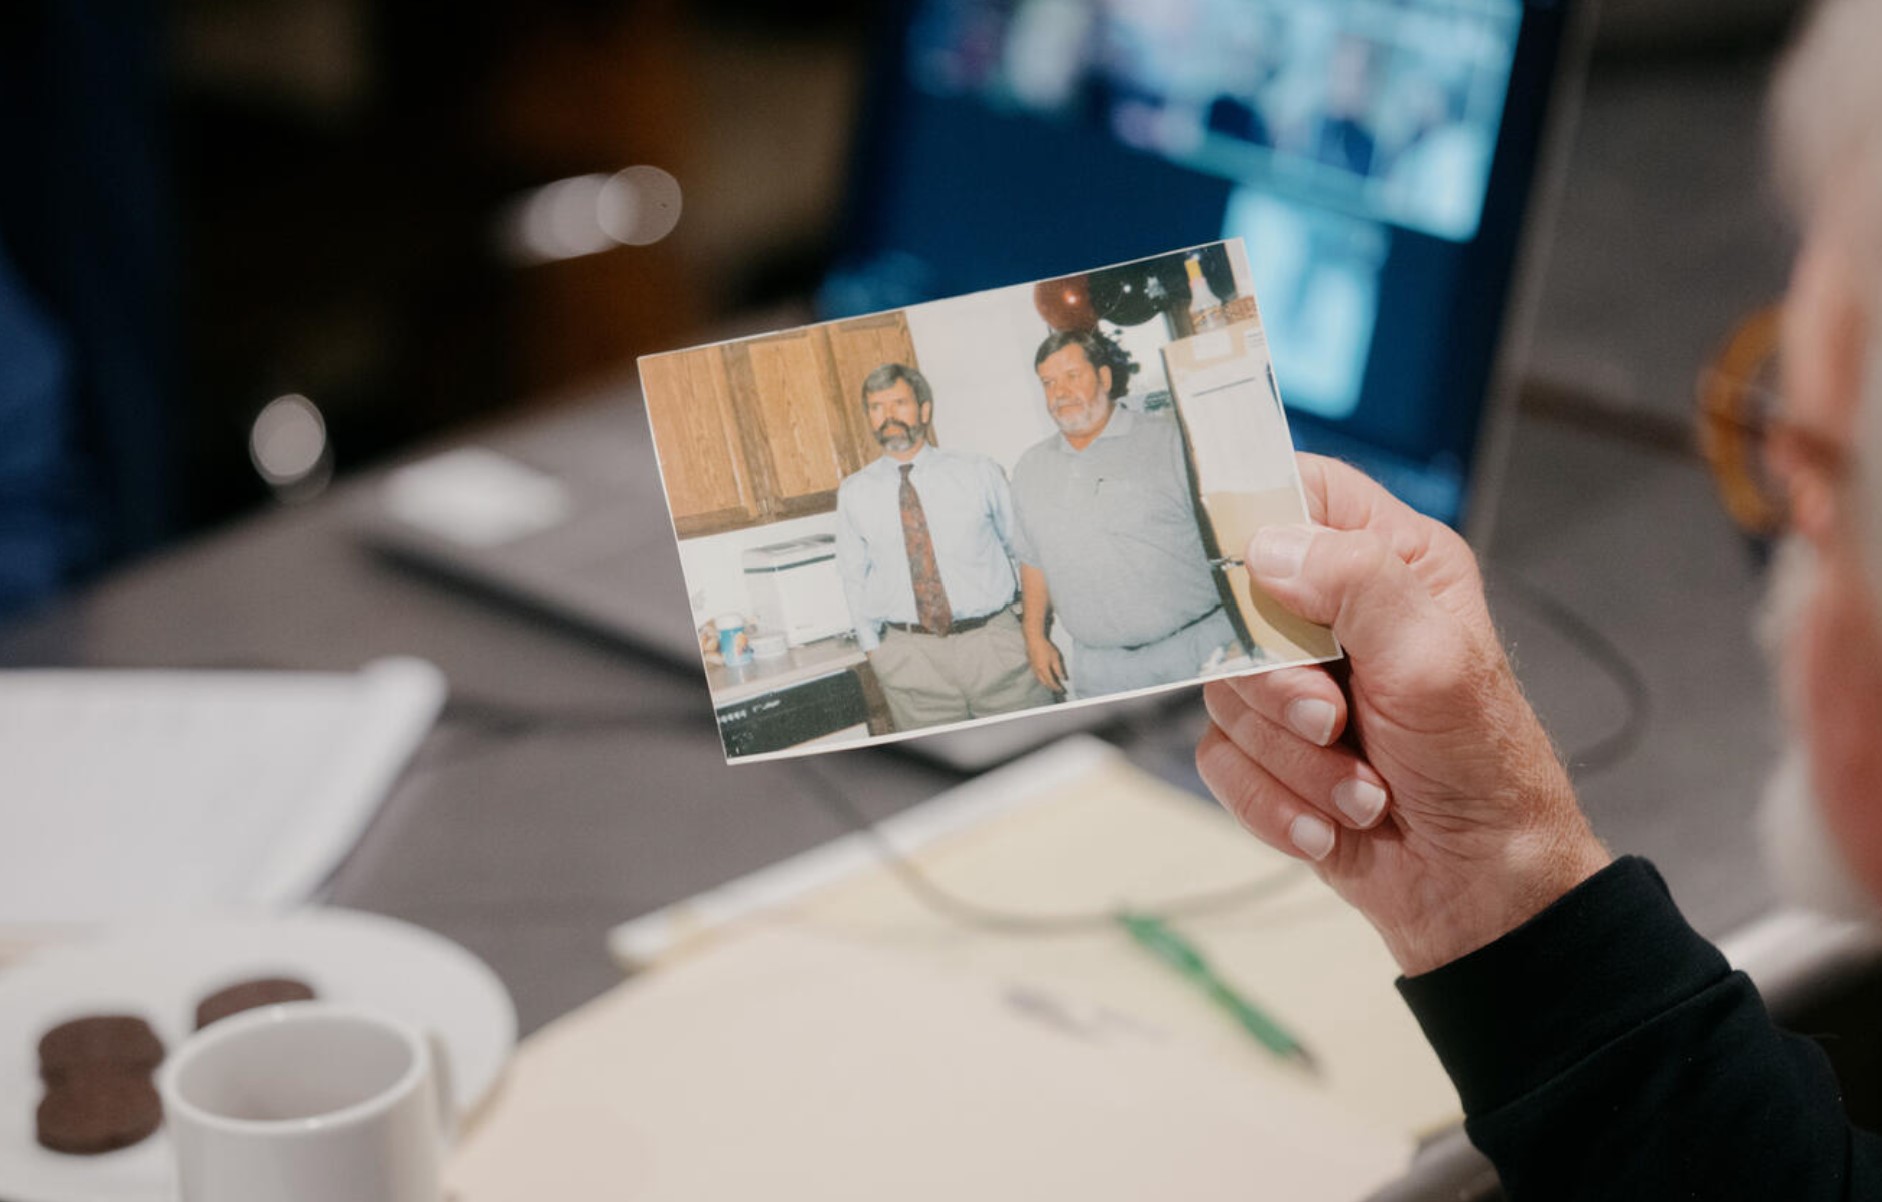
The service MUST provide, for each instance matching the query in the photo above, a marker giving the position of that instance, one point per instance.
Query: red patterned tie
(931, 600)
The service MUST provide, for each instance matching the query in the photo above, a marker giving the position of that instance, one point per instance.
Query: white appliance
(795, 590)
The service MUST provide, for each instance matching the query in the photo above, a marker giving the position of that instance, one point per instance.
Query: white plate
(162, 972)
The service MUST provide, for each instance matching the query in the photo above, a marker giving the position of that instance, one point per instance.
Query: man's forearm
(852, 560)
(1035, 600)
(1604, 1050)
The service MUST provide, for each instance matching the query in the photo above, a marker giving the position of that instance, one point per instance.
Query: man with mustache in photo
(923, 549)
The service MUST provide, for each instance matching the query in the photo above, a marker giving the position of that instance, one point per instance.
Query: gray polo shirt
(1114, 529)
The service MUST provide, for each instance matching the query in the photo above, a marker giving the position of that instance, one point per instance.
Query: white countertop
(822, 658)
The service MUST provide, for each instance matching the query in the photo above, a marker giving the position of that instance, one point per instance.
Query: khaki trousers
(930, 679)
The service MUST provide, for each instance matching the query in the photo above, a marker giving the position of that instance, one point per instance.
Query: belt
(1200, 618)
(963, 626)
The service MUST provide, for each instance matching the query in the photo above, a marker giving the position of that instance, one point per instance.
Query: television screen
(1375, 156)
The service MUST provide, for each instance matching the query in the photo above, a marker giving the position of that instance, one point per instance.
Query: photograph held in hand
(981, 507)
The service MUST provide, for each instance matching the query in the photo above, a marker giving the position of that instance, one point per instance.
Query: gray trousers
(1100, 670)
(929, 679)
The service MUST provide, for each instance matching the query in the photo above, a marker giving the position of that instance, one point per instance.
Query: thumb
(1349, 580)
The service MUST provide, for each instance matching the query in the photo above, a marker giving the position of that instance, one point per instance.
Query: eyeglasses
(1758, 458)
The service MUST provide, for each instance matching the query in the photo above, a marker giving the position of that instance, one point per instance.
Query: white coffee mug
(308, 1102)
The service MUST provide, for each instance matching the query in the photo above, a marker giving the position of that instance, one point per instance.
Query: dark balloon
(1136, 292)
(1065, 304)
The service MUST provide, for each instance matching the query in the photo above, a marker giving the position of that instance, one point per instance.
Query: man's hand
(1426, 793)
(1047, 664)
(1035, 605)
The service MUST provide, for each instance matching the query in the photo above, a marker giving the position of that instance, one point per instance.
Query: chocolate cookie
(246, 995)
(123, 1043)
(93, 1110)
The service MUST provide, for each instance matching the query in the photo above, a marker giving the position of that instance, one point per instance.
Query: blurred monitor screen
(1376, 155)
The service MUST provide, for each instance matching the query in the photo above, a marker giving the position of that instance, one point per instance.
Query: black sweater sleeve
(1603, 1050)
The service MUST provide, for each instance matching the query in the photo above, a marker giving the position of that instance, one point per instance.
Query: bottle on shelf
(1205, 308)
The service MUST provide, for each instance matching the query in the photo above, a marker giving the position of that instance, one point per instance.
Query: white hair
(1805, 862)
(1827, 137)
(1827, 119)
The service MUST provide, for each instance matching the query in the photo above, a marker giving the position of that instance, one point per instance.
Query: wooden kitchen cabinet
(702, 455)
(859, 347)
(809, 442)
(758, 431)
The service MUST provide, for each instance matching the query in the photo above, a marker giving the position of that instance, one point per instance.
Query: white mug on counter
(308, 1102)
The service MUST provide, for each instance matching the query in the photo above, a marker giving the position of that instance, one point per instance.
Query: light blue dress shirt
(969, 511)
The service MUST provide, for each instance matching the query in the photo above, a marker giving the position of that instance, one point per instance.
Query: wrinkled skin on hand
(1478, 828)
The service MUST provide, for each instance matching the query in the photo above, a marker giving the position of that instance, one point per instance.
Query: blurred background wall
(344, 166)
(334, 176)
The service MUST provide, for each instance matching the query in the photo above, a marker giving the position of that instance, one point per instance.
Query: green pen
(1155, 935)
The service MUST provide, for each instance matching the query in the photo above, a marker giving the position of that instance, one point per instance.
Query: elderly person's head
(1828, 453)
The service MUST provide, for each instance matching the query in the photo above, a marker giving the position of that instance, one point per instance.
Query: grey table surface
(574, 783)
(597, 792)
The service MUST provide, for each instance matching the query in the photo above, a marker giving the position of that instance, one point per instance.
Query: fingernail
(1313, 835)
(1312, 719)
(1277, 552)
(1360, 800)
